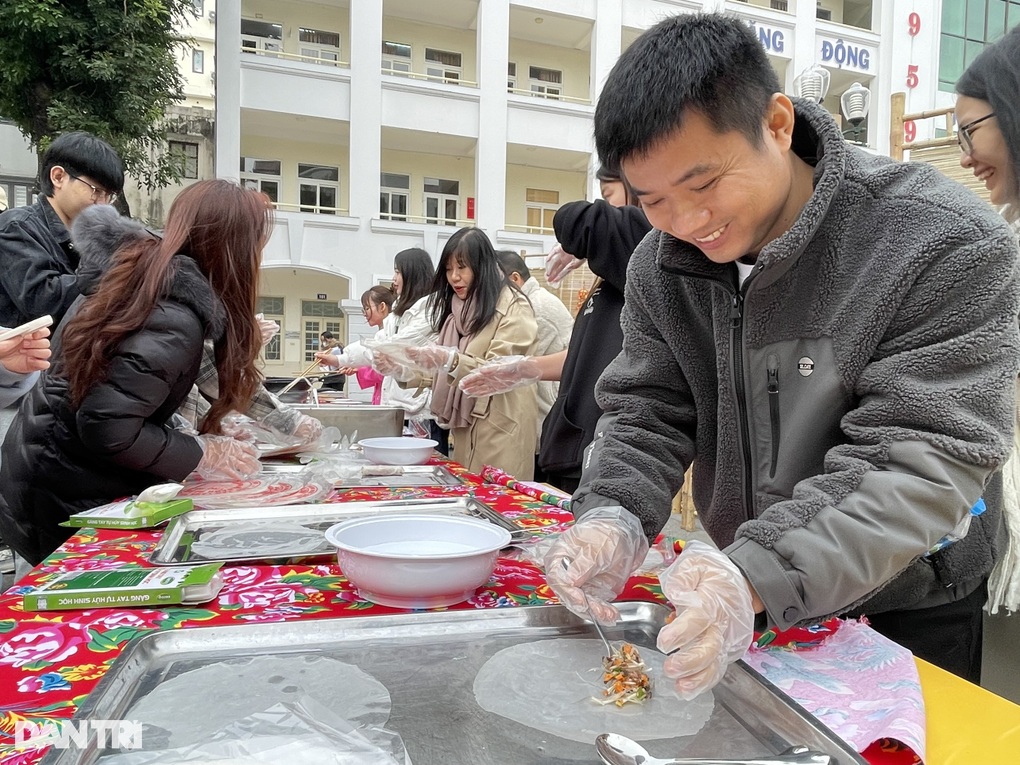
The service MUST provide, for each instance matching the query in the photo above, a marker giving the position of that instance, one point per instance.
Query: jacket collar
(818, 141)
(53, 222)
(530, 287)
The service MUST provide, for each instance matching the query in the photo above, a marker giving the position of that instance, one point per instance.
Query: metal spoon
(598, 627)
(615, 749)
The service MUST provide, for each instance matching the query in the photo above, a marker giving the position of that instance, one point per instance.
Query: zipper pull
(735, 309)
(772, 366)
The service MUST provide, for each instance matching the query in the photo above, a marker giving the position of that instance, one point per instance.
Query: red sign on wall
(470, 208)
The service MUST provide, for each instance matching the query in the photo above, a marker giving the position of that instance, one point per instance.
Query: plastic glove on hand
(715, 618)
(501, 375)
(559, 263)
(225, 459)
(267, 328)
(431, 357)
(601, 549)
(389, 366)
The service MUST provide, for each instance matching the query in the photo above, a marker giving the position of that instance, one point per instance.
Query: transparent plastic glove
(267, 328)
(501, 375)
(559, 263)
(226, 459)
(431, 357)
(602, 549)
(390, 366)
(237, 426)
(715, 618)
(328, 358)
(308, 429)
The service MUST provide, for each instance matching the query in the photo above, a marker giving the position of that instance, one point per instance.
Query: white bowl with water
(417, 561)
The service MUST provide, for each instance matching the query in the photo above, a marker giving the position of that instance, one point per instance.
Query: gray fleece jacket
(844, 408)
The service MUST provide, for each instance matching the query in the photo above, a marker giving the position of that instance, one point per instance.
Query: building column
(227, 146)
(493, 53)
(366, 108)
(606, 46)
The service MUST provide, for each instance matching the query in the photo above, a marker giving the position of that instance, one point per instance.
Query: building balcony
(273, 83)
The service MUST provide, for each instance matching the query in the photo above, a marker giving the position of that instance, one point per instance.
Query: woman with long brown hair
(96, 426)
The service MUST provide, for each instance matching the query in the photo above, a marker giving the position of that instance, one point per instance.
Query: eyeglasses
(964, 135)
(98, 194)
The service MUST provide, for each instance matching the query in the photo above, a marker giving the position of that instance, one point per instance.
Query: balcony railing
(430, 77)
(295, 57)
(549, 96)
(316, 209)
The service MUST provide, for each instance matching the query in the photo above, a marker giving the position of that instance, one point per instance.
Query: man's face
(73, 194)
(717, 191)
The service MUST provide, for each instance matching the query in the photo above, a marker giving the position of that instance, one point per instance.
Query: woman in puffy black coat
(95, 428)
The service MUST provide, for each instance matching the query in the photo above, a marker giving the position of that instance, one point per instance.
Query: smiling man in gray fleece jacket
(830, 337)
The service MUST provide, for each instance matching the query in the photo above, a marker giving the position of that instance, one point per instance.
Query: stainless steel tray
(184, 531)
(428, 662)
(409, 475)
(365, 420)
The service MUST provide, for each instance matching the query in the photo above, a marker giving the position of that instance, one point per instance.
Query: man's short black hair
(79, 154)
(704, 62)
(327, 335)
(510, 261)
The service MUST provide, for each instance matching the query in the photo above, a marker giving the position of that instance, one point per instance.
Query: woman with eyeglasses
(478, 314)
(988, 116)
(356, 359)
(96, 427)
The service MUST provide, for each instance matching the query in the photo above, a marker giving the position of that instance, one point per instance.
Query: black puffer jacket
(605, 236)
(59, 458)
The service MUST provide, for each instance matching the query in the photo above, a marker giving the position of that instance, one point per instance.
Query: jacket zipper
(737, 342)
(772, 366)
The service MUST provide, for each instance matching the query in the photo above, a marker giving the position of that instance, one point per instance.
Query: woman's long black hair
(994, 76)
(417, 273)
(471, 247)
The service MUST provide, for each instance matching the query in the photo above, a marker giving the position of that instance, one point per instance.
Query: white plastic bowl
(398, 451)
(417, 561)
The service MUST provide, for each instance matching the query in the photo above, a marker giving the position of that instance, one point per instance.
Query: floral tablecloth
(50, 661)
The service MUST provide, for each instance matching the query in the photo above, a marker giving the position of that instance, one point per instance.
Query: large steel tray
(184, 531)
(401, 477)
(428, 662)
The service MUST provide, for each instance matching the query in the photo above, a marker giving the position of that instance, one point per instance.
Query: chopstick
(308, 370)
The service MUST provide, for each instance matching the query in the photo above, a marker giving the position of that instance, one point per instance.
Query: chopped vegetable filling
(625, 678)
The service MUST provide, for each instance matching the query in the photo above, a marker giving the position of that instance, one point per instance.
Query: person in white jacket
(555, 323)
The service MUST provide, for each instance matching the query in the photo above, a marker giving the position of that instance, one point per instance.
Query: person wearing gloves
(356, 359)
(96, 428)
(604, 233)
(478, 314)
(837, 440)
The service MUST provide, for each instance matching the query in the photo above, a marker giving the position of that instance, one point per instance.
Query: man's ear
(780, 120)
(58, 176)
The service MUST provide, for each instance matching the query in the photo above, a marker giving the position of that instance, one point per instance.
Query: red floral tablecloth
(50, 661)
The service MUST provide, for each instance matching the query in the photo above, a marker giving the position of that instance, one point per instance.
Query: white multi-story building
(377, 125)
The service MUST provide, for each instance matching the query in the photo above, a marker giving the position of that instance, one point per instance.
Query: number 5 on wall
(912, 79)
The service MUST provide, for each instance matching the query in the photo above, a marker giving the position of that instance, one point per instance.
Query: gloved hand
(308, 429)
(389, 365)
(267, 328)
(432, 357)
(715, 618)
(601, 550)
(225, 459)
(327, 358)
(237, 426)
(501, 375)
(559, 263)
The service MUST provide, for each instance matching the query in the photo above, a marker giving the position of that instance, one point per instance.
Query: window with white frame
(546, 82)
(541, 205)
(441, 201)
(443, 64)
(261, 36)
(319, 44)
(197, 60)
(320, 316)
(511, 76)
(262, 175)
(394, 193)
(198, 8)
(319, 188)
(396, 57)
(272, 308)
(186, 153)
